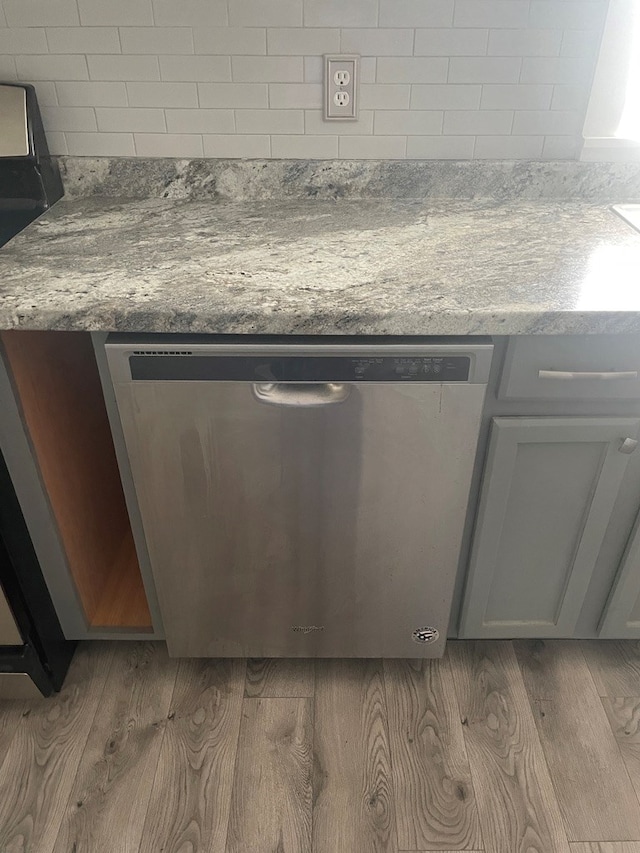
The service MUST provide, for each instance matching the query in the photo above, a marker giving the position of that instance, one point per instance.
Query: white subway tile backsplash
(199, 69)
(412, 69)
(91, 94)
(451, 42)
(100, 144)
(508, 147)
(115, 13)
(315, 124)
(415, 122)
(416, 13)
(338, 13)
(580, 43)
(561, 147)
(69, 118)
(270, 121)
(384, 97)
(477, 122)
(568, 14)
(570, 97)
(560, 71)
(295, 41)
(168, 145)
(45, 92)
(162, 94)
(7, 68)
(368, 69)
(491, 13)
(23, 40)
(234, 95)
(126, 68)
(369, 42)
(440, 147)
(52, 67)
(200, 121)
(449, 97)
(514, 97)
(484, 69)
(236, 146)
(244, 78)
(267, 69)
(524, 42)
(314, 69)
(41, 13)
(156, 40)
(547, 122)
(284, 96)
(83, 39)
(190, 13)
(304, 146)
(372, 147)
(56, 142)
(132, 120)
(266, 13)
(230, 40)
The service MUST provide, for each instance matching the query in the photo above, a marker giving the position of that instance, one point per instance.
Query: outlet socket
(341, 87)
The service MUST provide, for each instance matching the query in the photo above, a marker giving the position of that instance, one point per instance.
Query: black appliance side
(46, 653)
(30, 184)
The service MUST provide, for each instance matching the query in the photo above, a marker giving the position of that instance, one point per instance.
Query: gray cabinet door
(621, 617)
(549, 489)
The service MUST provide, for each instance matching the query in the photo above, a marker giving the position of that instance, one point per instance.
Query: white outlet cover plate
(333, 65)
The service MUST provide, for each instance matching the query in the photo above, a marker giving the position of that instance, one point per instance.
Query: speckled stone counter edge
(250, 180)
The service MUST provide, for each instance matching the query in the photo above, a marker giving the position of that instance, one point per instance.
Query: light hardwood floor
(523, 747)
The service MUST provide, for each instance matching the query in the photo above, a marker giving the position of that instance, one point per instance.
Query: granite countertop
(309, 266)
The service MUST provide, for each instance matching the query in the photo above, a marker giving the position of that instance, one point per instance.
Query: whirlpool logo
(306, 629)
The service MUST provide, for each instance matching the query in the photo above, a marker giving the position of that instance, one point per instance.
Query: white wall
(242, 78)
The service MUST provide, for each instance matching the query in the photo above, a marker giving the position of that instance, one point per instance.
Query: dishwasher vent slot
(161, 352)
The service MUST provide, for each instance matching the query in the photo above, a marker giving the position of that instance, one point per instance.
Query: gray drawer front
(539, 367)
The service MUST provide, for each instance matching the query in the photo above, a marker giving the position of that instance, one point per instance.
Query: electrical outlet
(341, 87)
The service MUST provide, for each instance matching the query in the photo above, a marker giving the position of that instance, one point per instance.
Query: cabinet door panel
(549, 489)
(621, 617)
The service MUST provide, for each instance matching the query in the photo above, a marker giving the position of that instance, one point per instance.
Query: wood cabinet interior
(58, 388)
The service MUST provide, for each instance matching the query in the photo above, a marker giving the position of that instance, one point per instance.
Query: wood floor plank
(624, 718)
(12, 713)
(605, 847)
(42, 758)
(354, 808)
(596, 797)
(191, 794)
(280, 678)
(614, 666)
(517, 804)
(271, 802)
(110, 795)
(435, 800)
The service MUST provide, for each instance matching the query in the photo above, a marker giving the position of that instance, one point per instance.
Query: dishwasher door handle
(300, 394)
(582, 374)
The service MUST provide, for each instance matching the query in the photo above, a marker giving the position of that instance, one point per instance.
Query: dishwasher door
(299, 518)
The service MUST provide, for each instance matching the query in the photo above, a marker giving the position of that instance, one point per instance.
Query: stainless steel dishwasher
(302, 499)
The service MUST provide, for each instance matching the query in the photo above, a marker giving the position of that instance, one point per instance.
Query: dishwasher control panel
(187, 367)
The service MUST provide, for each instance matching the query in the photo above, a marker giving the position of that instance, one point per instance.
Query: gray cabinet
(621, 617)
(548, 493)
